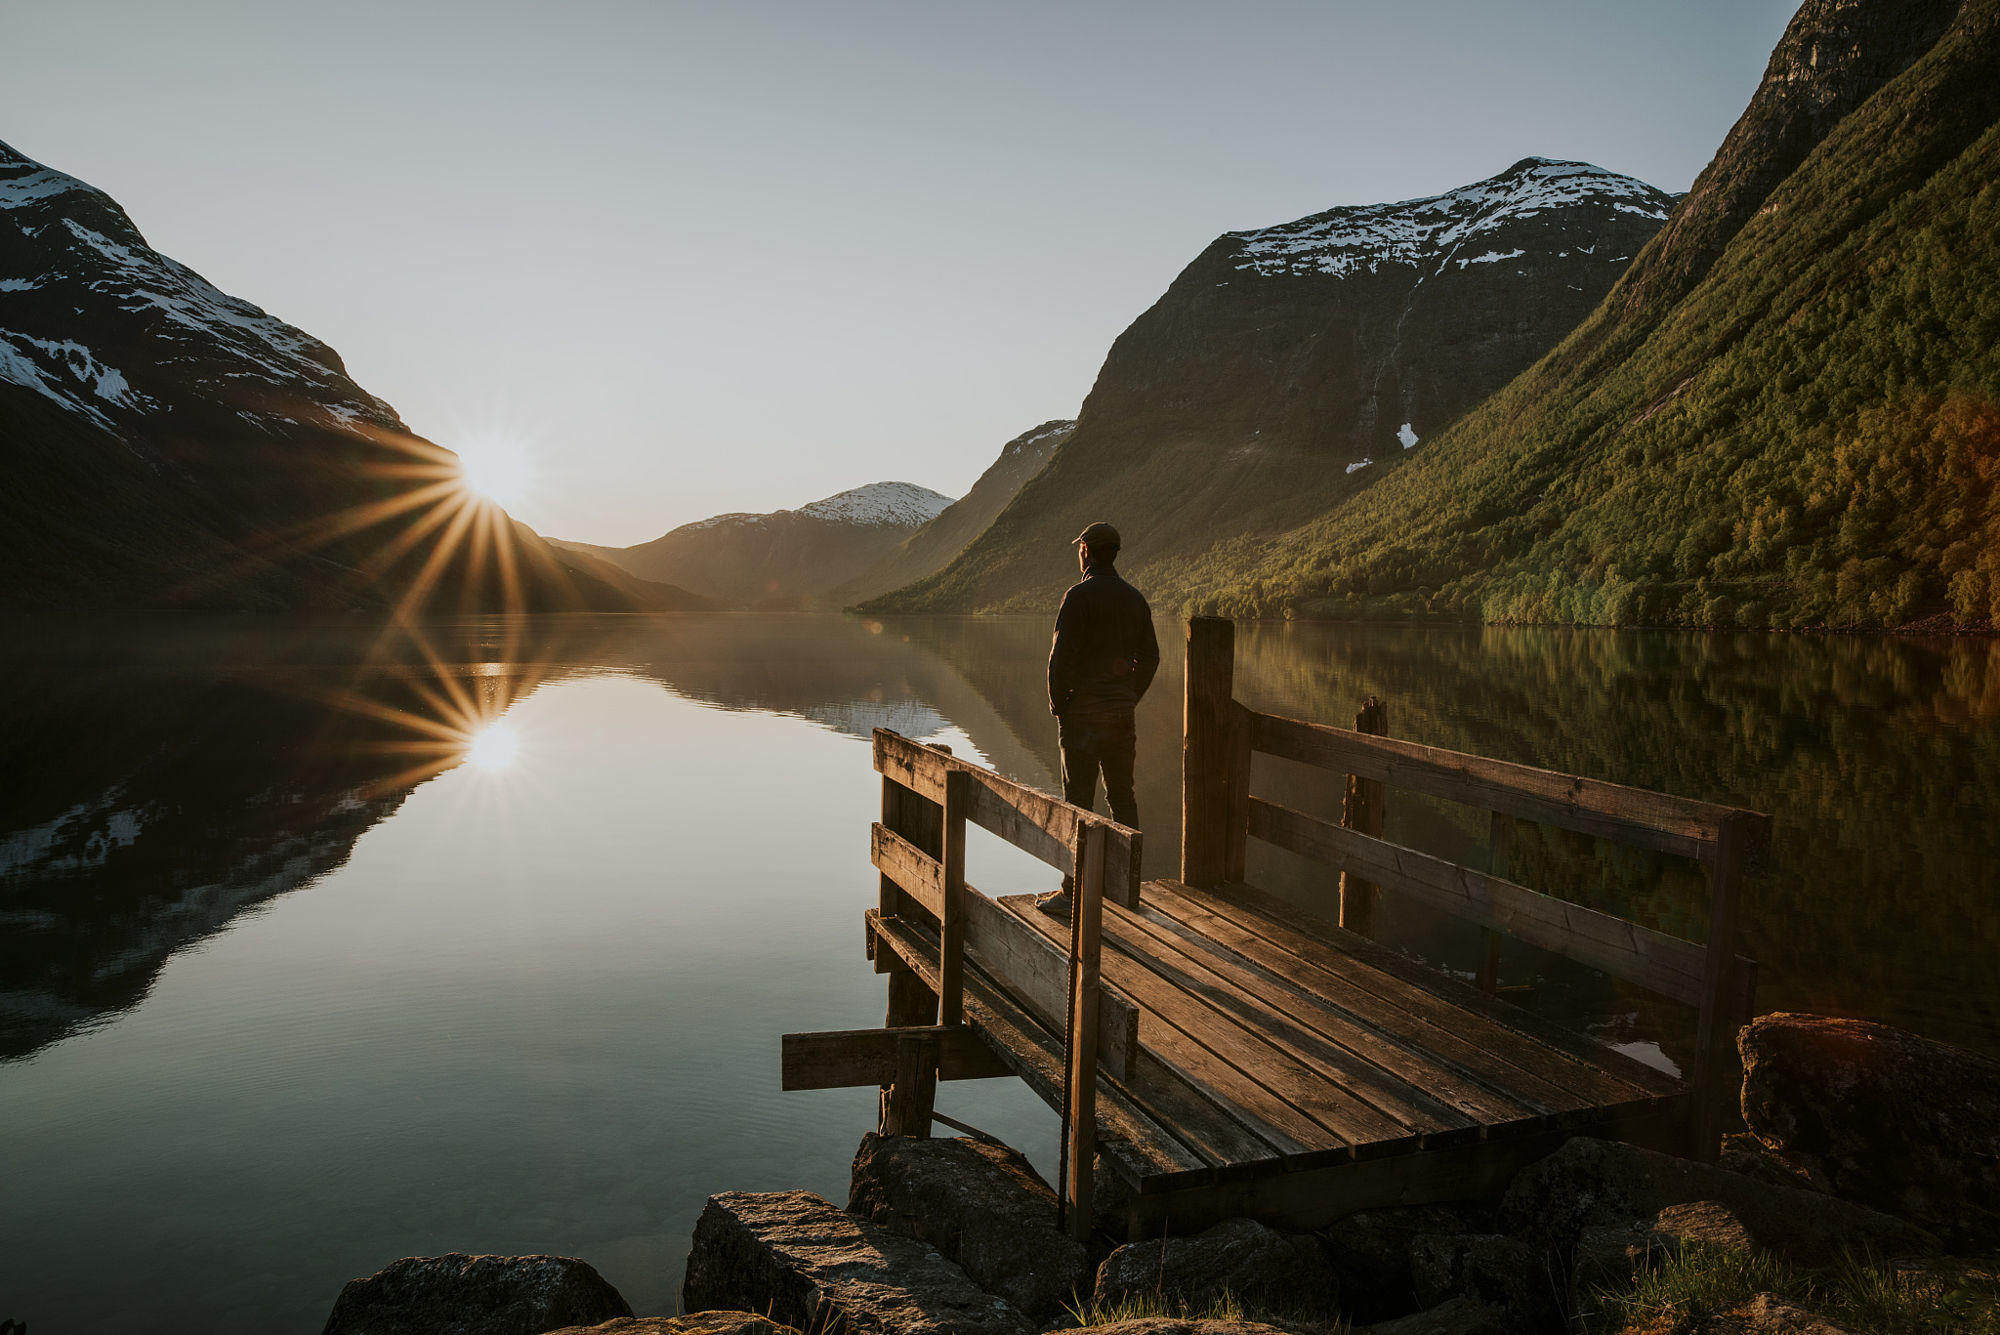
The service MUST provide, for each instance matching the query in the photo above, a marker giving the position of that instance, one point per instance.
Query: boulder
(457, 1294)
(799, 1260)
(1880, 1116)
(982, 1205)
(1370, 1253)
(1603, 1184)
(1460, 1316)
(1493, 1270)
(697, 1323)
(1259, 1266)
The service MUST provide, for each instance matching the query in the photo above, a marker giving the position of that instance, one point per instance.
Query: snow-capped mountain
(1457, 228)
(787, 558)
(168, 444)
(1292, 365)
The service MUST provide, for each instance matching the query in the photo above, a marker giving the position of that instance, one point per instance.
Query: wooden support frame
(1364, 808)
(1087, 999)
(1208, 777)
(854, 1058)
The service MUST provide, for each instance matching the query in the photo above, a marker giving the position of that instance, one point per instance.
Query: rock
(1460, 1316)
(457, 1294)
(1597, 1183)
(979, 1203)
(1880, 1116)
(794, 1257)
(1493, 1270)
(1744, 1153)
(1370, 1253)
(696, 1323)
(1259, 1266)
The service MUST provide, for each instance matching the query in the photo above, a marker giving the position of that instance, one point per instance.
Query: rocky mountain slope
(788, 558)
(1289, 366)
(930, 547)
(1787, 413)
(167, 444)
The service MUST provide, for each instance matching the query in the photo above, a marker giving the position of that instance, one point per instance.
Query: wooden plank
(1208, 682)
(1312, 1199)
(951, 900)
(1392, 1072)
(1394, 1008)
(1589, 806)
(849, 1058)
(1721, 998)
(1138, 1146)
(1664, 964)
(1037, 970)
(1283, 1099)
(1364, 807)
(1042, 826)
(1577, 1062)
(1086, 992)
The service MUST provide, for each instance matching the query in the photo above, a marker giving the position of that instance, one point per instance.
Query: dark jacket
(1104, 655)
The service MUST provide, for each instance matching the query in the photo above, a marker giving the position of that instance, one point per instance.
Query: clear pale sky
(702, 257)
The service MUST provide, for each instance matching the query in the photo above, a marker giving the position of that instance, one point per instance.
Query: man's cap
(1099, 534)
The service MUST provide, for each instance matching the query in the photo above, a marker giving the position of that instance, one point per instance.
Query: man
(1101, 663)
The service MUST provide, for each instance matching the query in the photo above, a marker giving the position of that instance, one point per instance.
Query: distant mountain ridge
(1787, 413)
(1290, 366)
(168, 444)
(937, 542)
(787, 558)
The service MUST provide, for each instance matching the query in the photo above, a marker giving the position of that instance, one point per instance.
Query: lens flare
(496, 470)
(496, 746)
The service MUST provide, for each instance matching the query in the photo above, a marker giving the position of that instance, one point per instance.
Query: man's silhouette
(1101, 663)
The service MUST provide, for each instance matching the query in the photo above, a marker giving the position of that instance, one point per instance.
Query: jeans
(1103, 742)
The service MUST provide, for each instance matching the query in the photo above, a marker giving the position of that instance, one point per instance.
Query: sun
(496, 746)
(497, 470)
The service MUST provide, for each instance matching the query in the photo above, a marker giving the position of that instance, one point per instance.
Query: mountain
(1786, 414)
(930, 547)
(1290, 366)
(785, 558)
(167, 444)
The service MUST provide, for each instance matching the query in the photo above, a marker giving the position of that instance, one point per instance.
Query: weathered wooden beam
(1044, 827)
(1209, 681)
(951, 902)
(1721, 999)
(1087, 994)
(908, 1099)
(1632, 816)
(853, 1058)
(1364, 807)
(1652, 959)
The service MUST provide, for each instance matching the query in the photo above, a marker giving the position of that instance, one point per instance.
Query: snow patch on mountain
(901, 504)
(1038, 435)
(1429, 233)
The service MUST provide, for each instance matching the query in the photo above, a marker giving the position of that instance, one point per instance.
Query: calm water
(318, 948)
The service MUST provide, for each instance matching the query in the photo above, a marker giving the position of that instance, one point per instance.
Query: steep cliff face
(787, 558)
(1288, 365)
(168, 444)
(1787, 414)
(930, 547)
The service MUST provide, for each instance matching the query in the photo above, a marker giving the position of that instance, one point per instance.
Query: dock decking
(1232, 1055)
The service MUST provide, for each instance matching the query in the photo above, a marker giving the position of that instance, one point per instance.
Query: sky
(689, 258)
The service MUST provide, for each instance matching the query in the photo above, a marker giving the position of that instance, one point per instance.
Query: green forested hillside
(1804, 432)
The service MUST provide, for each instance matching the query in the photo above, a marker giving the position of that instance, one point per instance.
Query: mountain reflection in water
(609, 860)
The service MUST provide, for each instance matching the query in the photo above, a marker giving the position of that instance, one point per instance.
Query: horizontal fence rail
(1041, 826)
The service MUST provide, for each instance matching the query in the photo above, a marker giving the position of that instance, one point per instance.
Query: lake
(321, 946)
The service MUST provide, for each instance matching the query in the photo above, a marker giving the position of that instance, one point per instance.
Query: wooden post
(1500, 843)
(1205, 750)
(1721, 994)
(951, 935)
(907, 1104)
(1086, 989)
(1363, 810)
(912, 1004)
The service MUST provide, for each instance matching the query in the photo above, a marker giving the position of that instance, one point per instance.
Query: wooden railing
(929, 796)
(1219, 815)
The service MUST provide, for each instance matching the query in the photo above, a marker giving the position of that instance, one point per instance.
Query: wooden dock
(1233, 1055)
